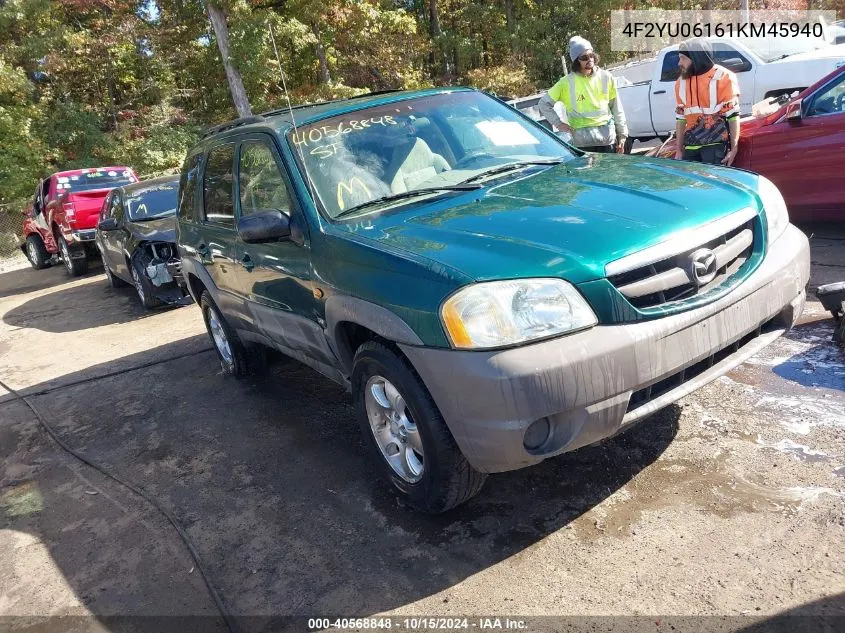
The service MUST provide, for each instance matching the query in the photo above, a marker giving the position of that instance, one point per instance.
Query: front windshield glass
(152, 203)
(773, 48)
(436, 141)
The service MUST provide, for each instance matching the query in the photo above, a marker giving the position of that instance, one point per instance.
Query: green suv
(491, 296)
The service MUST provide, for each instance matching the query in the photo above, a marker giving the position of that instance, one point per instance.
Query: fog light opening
(537, 434)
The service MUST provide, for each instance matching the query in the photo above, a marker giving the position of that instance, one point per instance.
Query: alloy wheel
(394, 430)
(221, 341)
(139, 287)
(66, 254)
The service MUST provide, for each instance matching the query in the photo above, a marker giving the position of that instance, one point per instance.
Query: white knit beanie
(578, 46)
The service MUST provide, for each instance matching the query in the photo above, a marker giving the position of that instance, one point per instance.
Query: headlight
(499, 313)
(777, 217)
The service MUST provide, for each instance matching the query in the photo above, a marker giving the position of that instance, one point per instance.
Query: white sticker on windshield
(505, 133)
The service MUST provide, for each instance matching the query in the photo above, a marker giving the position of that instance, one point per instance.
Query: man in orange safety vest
(707, 111)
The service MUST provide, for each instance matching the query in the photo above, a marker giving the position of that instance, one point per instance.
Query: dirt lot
(730, 503)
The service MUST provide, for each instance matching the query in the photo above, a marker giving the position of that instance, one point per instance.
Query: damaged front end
(163, 270)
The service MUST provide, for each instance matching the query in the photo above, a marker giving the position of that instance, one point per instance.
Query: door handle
(246, 260)
(203, 250)
(659, 92)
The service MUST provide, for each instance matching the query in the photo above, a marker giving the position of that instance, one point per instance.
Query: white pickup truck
(761, 72)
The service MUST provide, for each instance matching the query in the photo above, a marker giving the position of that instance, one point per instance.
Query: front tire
(236, 359)
(407, 434)
(36, 252)
(142, 286)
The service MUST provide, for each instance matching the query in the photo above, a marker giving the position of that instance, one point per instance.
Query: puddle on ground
(724, 429)
(806, 355)
(746, 375)
(704, 486)
(798, 451)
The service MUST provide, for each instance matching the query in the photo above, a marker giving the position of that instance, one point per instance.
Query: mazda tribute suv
(490, 296)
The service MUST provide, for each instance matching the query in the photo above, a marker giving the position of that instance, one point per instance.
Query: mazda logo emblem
(702, 266)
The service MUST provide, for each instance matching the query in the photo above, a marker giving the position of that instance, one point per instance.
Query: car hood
(158, 230)
(564, 221)
(834, 51)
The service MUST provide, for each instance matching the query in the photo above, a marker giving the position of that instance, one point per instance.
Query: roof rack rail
(256, 118)
(316, 103)
(259, 118)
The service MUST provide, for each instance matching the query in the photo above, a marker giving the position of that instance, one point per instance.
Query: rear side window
(262, 186)
(217, 186)
(670, 70)
(188, 188)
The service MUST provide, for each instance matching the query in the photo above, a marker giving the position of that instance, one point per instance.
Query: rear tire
(36, 252)
(236, 359)
(445, 478)
(114, 281)
(74, 267)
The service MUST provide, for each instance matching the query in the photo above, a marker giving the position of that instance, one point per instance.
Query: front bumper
(593, 384)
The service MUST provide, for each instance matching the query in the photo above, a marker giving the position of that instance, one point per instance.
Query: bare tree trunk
(221, 34)
(509, 15)
(110, 86)
(434, 19)
(320, 52)
(434, 32)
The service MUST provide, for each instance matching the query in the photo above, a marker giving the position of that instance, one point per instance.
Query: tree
(217, 16)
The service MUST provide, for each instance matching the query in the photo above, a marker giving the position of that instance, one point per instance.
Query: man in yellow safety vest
(588, 94)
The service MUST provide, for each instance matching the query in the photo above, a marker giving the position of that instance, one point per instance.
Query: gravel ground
(730, 503)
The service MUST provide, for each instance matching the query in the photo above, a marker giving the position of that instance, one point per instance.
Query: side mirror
(264, 226)
(793, 111)
(735, 64)
(108, 224)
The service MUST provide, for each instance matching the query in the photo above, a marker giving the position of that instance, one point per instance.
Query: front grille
(674, 279)
(647, 394)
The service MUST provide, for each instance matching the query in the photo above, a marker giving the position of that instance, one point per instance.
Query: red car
(62, 220)
(801, 148)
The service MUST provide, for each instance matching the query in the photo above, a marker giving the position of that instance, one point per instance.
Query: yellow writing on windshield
(349, 188)
(319, 134)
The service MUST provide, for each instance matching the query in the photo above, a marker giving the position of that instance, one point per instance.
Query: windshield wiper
(406, 194)
(513, 166)
(151, 217)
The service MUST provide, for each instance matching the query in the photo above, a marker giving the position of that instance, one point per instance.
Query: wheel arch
(350, 322)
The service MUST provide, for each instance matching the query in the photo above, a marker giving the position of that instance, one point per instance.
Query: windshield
(152, 203)
(95, 179)
(773, 48)
(437, 141)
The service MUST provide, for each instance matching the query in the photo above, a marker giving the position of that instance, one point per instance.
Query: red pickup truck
(62, 220)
